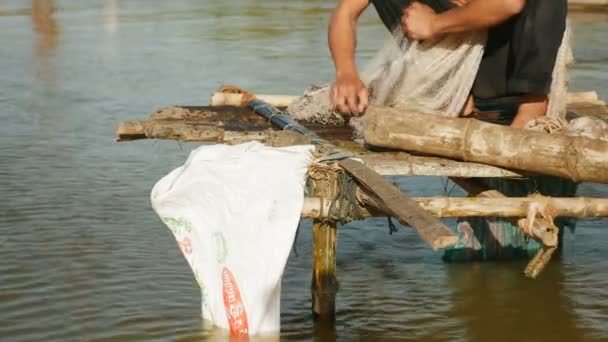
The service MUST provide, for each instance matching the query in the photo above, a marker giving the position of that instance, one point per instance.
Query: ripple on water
(84, 257)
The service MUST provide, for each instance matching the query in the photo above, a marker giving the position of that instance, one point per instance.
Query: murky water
(83, 256)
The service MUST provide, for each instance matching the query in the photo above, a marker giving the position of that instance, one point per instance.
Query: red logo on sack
(235, 310)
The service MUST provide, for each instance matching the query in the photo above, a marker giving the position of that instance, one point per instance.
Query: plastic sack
(234, 211)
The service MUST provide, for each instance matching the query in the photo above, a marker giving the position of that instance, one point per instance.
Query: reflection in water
(47, 33)
(110, 18)
(84, 257)
(499, 305)
(45, 26)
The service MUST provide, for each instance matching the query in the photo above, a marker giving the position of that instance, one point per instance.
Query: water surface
(84, 257)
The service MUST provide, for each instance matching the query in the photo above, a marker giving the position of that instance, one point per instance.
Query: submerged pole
(324, 284)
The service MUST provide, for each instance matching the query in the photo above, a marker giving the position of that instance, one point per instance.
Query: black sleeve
(390, 11)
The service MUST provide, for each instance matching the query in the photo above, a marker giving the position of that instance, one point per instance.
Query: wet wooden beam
(324, 284)
(391, 200)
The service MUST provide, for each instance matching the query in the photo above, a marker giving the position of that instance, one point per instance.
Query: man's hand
(349, 95)
(419, 21)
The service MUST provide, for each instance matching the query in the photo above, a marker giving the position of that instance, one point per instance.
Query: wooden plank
(400, 206)
(130, 130)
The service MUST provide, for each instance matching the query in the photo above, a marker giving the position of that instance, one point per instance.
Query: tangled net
(432, 77)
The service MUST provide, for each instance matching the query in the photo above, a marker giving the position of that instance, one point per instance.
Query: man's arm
(421, 22)
(348, 93)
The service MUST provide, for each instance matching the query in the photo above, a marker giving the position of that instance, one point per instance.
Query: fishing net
(433, 76)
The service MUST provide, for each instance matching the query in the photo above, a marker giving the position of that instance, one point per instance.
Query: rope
(392, 228)
(547, 124)
(345, 208)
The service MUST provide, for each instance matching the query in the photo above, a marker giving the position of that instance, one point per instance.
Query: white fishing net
(431, 77)
(559, 83)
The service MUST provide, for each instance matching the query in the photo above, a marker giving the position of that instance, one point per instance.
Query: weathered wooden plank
(130, 130)
(392, 201)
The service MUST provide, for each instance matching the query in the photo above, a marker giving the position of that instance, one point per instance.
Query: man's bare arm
(348, 93)
(420, 22)
(478, 14)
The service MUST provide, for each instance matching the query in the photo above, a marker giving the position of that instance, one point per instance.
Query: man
(523, 41)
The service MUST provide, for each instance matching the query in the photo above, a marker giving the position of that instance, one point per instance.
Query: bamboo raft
(227, 121)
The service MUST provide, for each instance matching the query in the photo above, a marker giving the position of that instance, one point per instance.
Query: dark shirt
(520, 54)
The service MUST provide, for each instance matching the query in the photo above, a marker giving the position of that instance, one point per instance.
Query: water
(83, 256)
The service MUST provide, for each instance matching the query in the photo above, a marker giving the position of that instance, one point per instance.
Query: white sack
(234, 211)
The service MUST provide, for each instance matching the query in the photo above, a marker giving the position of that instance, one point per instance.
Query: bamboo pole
(575, 158)
(235, 99)
(324, 284)
(579, 207)
(280, 100)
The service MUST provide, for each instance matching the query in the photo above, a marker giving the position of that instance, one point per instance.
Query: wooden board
(390, 200)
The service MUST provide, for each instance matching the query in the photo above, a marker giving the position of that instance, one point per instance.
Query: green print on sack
(178, 225)
(201, 285)
(220, 247)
